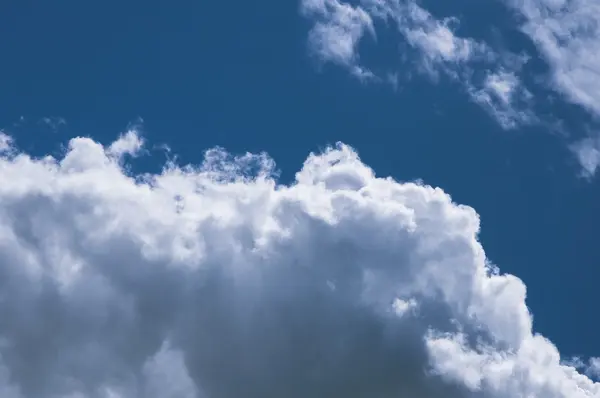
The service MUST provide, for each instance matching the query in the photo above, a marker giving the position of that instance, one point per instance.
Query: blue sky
(495, 102)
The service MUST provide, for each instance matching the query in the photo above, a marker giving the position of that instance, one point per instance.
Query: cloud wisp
(337, 32)
(339, 27)
(567, 35)
(217, 281)
(504, 97)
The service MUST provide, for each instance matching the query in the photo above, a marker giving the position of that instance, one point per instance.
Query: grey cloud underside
(214, 281)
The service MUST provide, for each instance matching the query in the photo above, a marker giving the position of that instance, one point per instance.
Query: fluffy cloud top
(217, 281)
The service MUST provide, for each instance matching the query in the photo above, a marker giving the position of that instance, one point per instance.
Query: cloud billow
(217, 281)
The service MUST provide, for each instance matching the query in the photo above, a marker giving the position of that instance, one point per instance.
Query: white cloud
(337, 32)
(436, 40)
(587, 152)
(203, 281)
(502, 86)
(53, 122)
(339, 27)
(567, 34)
(593, 368)
(504, 96)
(439, 43)
(129, 143)
(6, 142)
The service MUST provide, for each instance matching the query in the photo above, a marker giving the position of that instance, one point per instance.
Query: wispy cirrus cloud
(53, 122)
(437, 44)
(337, 31)
(506, 99)
(339, 28)
(567, 35)
(587, 152)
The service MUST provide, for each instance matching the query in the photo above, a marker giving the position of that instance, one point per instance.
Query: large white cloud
(216, 281)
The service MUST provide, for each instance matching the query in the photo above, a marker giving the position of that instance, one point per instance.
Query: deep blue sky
(238, 75)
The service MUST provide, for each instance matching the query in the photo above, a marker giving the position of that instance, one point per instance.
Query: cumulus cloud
(217, 281)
